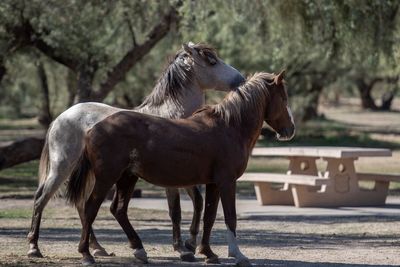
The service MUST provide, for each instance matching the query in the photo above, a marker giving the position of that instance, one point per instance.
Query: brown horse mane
(175, 77)
(253, 94)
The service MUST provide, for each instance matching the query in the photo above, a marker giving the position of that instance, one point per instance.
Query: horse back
(155, 148)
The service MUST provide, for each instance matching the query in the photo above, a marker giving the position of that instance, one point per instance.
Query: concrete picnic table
(305, 186)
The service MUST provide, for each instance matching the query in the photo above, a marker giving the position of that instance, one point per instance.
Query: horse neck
(252, 127)
(187, 102)
(251, 121)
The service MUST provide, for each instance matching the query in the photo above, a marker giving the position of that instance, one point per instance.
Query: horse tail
(44, 160)
(81, 182)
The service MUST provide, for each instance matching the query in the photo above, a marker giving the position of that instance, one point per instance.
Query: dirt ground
(267, 241)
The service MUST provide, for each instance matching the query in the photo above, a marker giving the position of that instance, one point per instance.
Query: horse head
(278, 114)
(209, 71)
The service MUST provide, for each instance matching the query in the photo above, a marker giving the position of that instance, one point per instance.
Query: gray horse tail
(81, 182)
(44, 160)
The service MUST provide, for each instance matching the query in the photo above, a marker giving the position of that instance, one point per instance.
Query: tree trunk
(311, 108)
(84, 85)
(20, 151)
(45, 117)
(71, 87)
(387, 100)
(2, 71)
(367, 102)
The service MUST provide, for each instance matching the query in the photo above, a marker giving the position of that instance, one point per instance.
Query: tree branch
(53, 54)
(20, 151)
(25, 35)
(135, 54)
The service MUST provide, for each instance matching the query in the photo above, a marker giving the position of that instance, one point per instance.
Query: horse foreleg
(210, 212)
(228, 191)
(124, 190)
(197, 199)
(174, 207)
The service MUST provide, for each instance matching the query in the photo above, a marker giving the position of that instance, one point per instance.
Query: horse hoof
(102, 253)
(245, 262)
(213, 260)
(141, 255)
(87, 261)
(187, 256)
(35, 253)
(190, 246)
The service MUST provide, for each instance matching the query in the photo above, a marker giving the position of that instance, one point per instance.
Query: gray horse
(177, 94)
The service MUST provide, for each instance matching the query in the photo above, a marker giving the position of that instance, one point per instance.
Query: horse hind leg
(175, 215)
(88, 215)
(44, 193)
(98, 250)
(119, 207)
(33, 235)
(197, 199)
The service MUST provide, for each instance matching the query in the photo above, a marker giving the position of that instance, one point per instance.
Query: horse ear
(278, 78)
(188, 48)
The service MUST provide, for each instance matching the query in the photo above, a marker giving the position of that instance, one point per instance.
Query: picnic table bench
(304, 186)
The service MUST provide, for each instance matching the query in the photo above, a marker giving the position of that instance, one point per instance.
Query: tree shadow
(174, 261)
(152, 236)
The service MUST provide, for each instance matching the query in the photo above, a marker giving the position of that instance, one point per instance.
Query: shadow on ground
(174, 261)
(250, 238)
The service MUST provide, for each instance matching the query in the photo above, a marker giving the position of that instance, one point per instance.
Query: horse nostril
(290, 132)
(286, 133)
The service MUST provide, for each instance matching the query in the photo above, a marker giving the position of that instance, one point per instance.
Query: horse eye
(212, 61)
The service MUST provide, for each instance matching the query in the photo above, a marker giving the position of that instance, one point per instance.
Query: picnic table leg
(303, 165)
(307, 166)
(345, 184)
(268, 195)
(343, 189)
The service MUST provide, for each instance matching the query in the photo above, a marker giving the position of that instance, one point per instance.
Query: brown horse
(211, 147)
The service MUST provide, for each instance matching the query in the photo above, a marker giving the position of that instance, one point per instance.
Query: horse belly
(173, 169)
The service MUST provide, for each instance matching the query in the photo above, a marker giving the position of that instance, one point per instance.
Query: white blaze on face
(290, 114)
(233, 248)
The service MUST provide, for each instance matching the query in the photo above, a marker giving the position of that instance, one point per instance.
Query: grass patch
(27, 169)
(19, 179)
(18, 124)
(16, 214)
(324, 132)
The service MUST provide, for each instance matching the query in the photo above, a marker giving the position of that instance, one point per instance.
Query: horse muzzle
(286, 134)
(237, 81)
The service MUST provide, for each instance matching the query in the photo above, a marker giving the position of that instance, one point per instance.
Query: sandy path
(280, 241)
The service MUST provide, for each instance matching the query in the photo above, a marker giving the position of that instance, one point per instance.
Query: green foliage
(320, 42)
